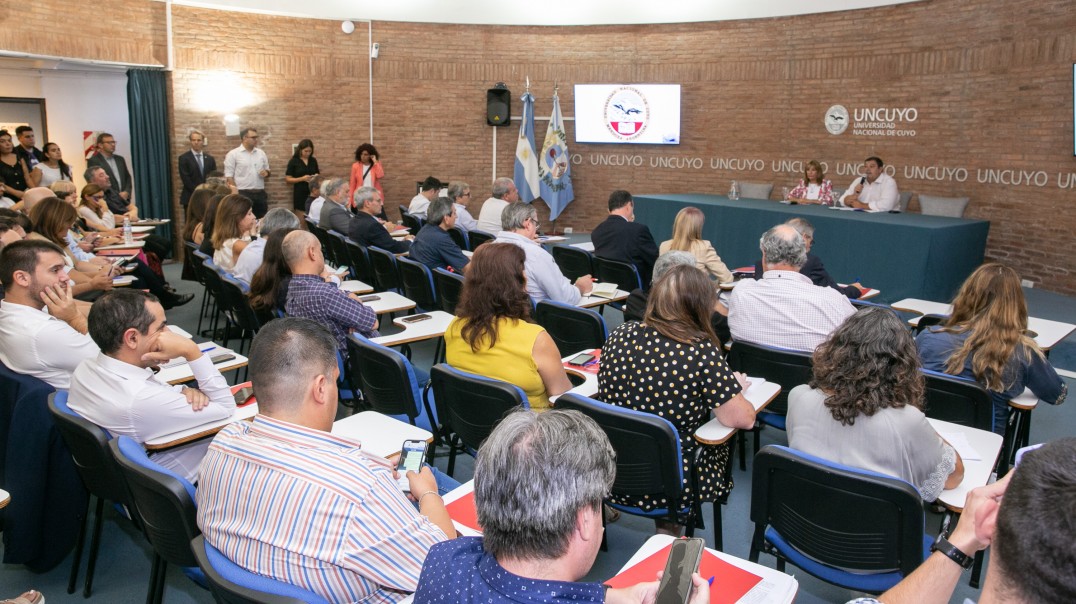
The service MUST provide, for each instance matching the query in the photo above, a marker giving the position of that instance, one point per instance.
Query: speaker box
(498, 106)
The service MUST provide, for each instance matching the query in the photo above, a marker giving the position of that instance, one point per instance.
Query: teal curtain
(151, 162)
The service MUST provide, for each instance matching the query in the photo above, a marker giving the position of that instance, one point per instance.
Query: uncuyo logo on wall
(836, 119)
(626, 113)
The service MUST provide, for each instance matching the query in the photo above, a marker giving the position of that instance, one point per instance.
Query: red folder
(463, 511)
(729, 585)
(591, 367)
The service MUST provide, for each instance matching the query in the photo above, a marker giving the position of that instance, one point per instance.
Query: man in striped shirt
(284, 498)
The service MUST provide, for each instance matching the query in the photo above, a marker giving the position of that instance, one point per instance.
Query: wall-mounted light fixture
(231, 124)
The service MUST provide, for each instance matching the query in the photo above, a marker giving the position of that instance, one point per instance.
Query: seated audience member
(95, 213)
(194, 224)
(864, 406)
(206, 247)
(687, 237)
(875, 191)
(30, 198)
(621, 238)
(460, 194)
(9, 233)
(118, 390)
(1022, 516)
(315, 193)
(428, 191)
(504, 193)
(316, 202)
(21, 221)
(492, 334)
(433, 246)
(544, 279)
(539, 481)
(65, 190)
(42, 331)
(814, 188)
(251, 257)
(367, 230)
(635, 374)
(232, 230)
(984, 339)
(635, 306)
(269, 285)
(349, 534)
(334, 214)
(813, 267)
(309, 295)
(118, 205)
(784, 309)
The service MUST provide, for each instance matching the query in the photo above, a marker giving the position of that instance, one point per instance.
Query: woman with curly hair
(864, 406)
(493, 335)
(671, 365)
(366, 172)
(985, 339)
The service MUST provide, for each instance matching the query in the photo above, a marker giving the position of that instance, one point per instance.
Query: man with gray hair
(460, 194)
(334, 215)
(251, 258)
(343, 529)
(813, 267)
(366, 229)
(635, 306)
(539, 481)
(504, 193)
(544, 279)
(433, 245)
(784, 309)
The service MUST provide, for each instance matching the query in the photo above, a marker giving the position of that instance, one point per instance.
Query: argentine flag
(554, 165)
(526, 174)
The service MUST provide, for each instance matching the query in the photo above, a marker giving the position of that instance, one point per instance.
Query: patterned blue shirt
(311, 297)
(459, 570)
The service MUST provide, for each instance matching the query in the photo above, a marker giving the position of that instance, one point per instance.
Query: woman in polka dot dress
(671, 365)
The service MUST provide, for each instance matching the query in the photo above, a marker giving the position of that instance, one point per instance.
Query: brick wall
(990, 80)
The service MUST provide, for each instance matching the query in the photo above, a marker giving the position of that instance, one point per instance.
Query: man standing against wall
(26, 150)
(114, 165)
(193, 166)
(246, 167)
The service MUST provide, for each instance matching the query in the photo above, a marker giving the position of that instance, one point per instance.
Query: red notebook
(591, 367)
(239, 387)
(463, 511)
(730, 582)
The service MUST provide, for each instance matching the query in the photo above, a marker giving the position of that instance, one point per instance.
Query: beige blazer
(706, 258)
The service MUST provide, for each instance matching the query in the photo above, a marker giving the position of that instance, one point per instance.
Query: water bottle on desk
(128, 234)
(734, 191)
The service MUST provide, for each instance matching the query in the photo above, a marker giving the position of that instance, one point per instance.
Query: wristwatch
(941, 544)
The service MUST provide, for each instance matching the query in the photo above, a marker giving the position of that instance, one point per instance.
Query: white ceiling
(540, 12)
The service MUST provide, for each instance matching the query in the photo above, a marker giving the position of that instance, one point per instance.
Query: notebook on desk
(604, 289)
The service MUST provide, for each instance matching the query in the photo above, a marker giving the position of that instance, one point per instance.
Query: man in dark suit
(621, 238)
(114, 165)
(193, 166)
(366, 229)
(813, 268)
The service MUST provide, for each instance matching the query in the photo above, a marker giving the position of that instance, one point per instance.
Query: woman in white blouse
(53, 168)
(94, 211)
(814, 188)
(863, 406)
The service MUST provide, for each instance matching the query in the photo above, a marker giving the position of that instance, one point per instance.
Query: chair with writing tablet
(386, 272)
(359, 260)
(460, 238)
(449, 286)
(389, 383)
(755, 190)
(323, 239)
(470, 406)
(624, 274)
(853, 528)
(417, 281)
(411, 221)
(572, 328)
(958, 400)
(573, 262)
(932, 205)
(477, 238)
(337, 243)
(233, 584)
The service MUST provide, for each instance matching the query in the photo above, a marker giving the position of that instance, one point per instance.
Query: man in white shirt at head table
(875, 191)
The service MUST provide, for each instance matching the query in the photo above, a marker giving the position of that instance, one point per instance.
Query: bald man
(34, 195)
(311, 297)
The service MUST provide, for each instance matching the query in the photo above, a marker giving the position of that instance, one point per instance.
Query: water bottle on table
(128, 234)
(734, 191)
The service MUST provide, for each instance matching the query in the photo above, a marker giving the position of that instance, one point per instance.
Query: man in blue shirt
(539, 482)
(433, 246)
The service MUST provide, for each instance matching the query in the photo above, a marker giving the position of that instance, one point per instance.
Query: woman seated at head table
(864, 406)
(814, 188)
(493, 335)
(985, 339)
(232, 230)
(635, 373)
(687, 237)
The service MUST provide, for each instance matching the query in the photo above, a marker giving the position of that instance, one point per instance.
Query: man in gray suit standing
(114, 165)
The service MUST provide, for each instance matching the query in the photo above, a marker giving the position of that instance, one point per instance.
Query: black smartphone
(684, 558)
(243, 395)
(581, 359)
(369, 298)
(415, 318)
(412, 456)
(220, 358)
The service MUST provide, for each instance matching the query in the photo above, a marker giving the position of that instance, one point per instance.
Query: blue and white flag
(554, 165)
(526, 174)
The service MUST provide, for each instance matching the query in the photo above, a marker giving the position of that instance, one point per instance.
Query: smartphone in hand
(412, 456)
(684, 558)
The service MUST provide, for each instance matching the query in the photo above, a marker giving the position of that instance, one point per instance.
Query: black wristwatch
(941, 544)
